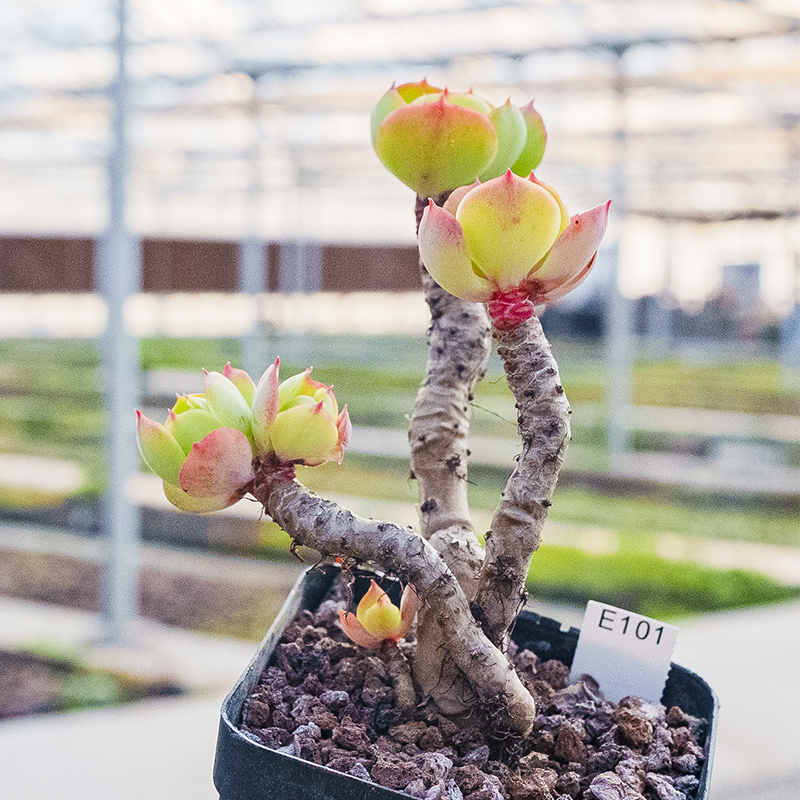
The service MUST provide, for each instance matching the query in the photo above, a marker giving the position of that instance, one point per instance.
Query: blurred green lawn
(51, 405)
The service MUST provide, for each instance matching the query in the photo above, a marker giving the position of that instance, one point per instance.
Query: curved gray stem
(459, 346)
(543, 423)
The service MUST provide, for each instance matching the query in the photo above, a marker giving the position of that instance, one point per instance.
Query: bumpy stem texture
(543, 423)
(400, 674)
(335, 532)
(459, 345)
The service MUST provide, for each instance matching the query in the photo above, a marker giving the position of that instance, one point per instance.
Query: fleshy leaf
(345, 430)
(511, 133)
(556, 293)
(391, 101)
(198, 505)
(456, 196)
(227, 403)
(535, 142)
(509, 224)
(218, 465)
(305, 433)
(411, 91)
(435, 146)
(382, 619)
(241, 380)
(443, 250)
(409, 606)
(159, 448)
(371, 596)
(184, 402)
(190, 426)
(573, 250)
(376, 612)
(326, 396)
(464, 99)
(298, 385)
(564, 213)
(265, 406)
(355, 631)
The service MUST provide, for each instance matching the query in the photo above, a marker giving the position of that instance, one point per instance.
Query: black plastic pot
(245, 769)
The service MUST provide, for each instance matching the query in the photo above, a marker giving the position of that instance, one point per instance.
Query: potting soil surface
(332, 703)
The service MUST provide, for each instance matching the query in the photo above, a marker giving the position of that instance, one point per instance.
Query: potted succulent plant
(493, 249)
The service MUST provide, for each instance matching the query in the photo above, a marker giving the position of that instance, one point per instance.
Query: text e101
(611, 620)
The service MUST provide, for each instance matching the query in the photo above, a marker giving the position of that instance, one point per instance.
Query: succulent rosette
(299, 420)
(435, 140)
(509, 242)
(205, 451)
(377, 619)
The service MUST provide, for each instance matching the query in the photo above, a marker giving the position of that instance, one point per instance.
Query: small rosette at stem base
(377, 619)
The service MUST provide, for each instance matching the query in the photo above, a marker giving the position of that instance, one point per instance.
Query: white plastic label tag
(626, 653)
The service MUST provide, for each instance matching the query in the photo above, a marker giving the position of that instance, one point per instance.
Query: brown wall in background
(62, 264)
(347, 268)
(189, 266)
(29, 264)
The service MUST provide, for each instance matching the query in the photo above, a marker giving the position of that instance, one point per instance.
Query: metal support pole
(117, 277)
(790, 325)
(619, 339)
(251, 282)
(660, 329)
(252, 272)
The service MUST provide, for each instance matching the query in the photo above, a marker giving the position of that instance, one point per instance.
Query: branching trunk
(459, 345)
(459, 662)
(439, 429)
(335, 532)
(543, 423)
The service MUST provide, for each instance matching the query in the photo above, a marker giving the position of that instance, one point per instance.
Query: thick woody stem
(335, 532)
(458, 349)
(543, 423)
(459, 345)
(399, 673)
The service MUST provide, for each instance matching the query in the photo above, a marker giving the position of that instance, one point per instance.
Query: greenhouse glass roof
(252, 117)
